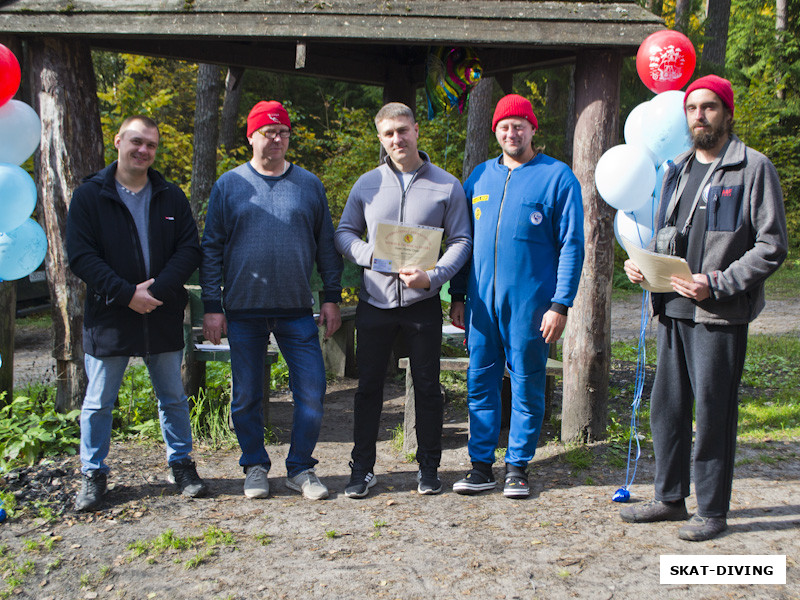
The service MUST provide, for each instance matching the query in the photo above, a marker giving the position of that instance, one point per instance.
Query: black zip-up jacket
(104, 251)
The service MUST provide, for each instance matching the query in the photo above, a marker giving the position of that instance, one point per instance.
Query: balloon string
(446, 144)
(641, 359)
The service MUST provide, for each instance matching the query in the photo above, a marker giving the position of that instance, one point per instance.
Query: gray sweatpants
(701, 364)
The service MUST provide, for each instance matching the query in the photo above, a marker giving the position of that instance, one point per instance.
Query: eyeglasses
(271, 134)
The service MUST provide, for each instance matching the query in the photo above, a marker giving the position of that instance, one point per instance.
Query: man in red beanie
(722, 210)
(527, 217)
(268, 223)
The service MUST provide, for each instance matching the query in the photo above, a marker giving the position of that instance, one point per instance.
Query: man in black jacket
(132, 238)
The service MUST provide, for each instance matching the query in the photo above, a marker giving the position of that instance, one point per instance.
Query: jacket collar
(426, 160)
(105, 179)
(734, 154)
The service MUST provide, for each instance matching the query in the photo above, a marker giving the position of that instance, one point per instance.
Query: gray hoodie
(434, 198)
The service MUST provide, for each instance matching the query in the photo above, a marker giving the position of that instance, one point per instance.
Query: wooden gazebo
(367, 41)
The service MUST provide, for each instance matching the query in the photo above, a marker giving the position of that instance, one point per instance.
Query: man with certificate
(722, 210)
(405, 206)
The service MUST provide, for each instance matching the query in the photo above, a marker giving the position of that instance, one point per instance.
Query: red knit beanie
(267, 113)
(514, 105)
(721, 87)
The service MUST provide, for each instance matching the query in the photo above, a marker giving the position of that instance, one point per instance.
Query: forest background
(333, 131)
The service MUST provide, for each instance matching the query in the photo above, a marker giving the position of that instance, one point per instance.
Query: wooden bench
(338, 351)
(554, 368)
(196, 353)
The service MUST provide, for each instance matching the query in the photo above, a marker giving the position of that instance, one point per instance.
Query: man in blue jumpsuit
(527, 216)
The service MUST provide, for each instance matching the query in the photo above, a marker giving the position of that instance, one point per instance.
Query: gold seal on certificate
(397, 246)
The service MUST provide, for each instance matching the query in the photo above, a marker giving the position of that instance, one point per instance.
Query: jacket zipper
(496, 236)
(402, 220)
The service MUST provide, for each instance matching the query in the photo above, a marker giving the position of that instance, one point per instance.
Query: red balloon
(9, 74)
(665, 61)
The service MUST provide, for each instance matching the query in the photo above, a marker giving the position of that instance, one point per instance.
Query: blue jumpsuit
(527, 255)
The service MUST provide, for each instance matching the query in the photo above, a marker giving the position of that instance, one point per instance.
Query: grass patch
(205, 546)
(784, 284)
(579, 458)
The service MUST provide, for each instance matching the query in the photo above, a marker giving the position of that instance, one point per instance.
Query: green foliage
(31, 429)
(137, 410)
(206, 545)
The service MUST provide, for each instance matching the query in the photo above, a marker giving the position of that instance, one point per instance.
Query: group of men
(512, 249)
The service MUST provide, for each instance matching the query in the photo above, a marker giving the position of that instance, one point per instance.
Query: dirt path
(566, 541)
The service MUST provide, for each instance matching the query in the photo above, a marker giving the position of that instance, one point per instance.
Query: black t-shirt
(676, 306)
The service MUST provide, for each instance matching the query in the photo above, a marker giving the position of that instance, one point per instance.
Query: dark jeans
(700, 364)
(377, 329)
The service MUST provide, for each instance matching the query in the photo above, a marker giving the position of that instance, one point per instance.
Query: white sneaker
(256, 484)
(309, 484)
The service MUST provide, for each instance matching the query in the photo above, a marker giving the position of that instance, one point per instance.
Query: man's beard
(707, 140)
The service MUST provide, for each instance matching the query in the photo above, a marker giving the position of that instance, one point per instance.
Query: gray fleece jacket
(745, 240)
(433, 198)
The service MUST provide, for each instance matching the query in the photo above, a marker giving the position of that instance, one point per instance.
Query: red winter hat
(721, 87)
(514, 105)
(267, 113)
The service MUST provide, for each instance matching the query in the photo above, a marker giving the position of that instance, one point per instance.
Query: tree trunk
(569, 125)
(655, 6)
(65, 96)
(716, 35)
(682, 12)
(229, 131)
(479, 121)
(587, 346)
(8, 302)
(8, 289)
(781, 24)
(206, 119)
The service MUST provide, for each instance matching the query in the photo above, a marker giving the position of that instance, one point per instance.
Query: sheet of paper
(397, 246)
(657, 268)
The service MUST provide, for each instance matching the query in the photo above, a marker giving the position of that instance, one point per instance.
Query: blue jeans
(299, 343)
(105, 376)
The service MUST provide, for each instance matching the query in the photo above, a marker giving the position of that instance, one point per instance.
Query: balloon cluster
(23, 243)
(450, 74)
(629, 176)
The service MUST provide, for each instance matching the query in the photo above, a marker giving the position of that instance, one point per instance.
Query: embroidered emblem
(536, 217)
(483, 198)
(477, 213)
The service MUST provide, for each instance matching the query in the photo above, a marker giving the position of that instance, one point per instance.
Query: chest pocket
(534, 222)
(725, 208)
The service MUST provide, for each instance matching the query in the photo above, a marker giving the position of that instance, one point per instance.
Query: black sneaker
(700, 529)
(474, 482)
(184, 475)
(655, 510)
(360, 482)
(93, 488)
(429, 482)
(516, 484)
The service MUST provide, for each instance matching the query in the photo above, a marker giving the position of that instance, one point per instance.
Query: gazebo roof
(355, 40)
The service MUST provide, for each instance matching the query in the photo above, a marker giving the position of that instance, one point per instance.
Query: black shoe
(184, 475)
(700, 529)
(655, 510)
(93, 488)
(476, 480)
(360, 482)
(516, 484)
(429, 482)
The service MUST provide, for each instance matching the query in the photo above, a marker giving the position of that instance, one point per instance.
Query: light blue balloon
(17, 196)
(20, 132)
(22, 250)
(666, 131)
(627, 226)
(625, 176)
(635, 130)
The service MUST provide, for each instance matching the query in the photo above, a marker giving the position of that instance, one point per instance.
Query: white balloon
(666, 132)
(625, 177)
(626, 226)
(635, 130)
(20, 132)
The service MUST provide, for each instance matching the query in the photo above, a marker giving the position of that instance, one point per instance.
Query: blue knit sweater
(262, 237)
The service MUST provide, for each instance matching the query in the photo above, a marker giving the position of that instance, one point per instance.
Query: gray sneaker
(308, 484)
(653, 511)
(700, 529)
(256, 484)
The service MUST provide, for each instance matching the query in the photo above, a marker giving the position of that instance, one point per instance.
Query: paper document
(397, 246)
(657, 268)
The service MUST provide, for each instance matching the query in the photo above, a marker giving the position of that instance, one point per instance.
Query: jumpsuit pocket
(534, 222)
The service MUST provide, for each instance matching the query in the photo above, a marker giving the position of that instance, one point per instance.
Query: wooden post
(479, 121)
(587, 346)
(206, 130)
(65, 96)
(229, 130)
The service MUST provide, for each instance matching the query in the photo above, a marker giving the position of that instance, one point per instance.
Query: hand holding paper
(656, 270)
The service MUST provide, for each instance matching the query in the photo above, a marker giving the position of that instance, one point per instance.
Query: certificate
(397, 246)
(657, 269)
